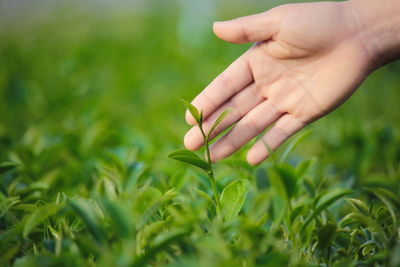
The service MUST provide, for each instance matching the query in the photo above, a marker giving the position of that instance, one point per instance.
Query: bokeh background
(79, 79)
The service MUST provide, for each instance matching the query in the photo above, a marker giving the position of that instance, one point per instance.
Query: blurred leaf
(358, 205)
(284, 180)
(395, 255)
(135, 171)
(325, 200)
(326, 235)
(38, 216)
(233, 197)
(204, 195)
(369, 248)
(309, 187)
(297, 211)
(88, 216)
(8, 203)
(303, 168)
(278, 209)
(271, 152)
(148, 203)
(120, 218)
(147, 196)
(149, 231)
(387, 198)
(360, 219)
(329, 198)
(7, 166)
(108, 188)
(193, 110)
(384, 192)
(293, 145)
(218, 120)
(170, 194)
(190, 158)
(162, 241)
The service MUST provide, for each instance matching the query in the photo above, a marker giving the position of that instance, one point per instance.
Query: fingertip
(187, 142)
(250, 159)
(255, 157)
(225, 30)
(192, 139)
(216, 28)
(252, 28)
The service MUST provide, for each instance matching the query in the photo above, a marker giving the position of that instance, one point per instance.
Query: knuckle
(253, 124)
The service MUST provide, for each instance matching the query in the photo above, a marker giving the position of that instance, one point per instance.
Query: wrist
(378, 28)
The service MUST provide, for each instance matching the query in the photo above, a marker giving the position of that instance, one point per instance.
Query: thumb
(253, 28)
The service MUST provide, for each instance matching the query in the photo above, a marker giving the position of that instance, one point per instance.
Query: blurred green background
(79, 79)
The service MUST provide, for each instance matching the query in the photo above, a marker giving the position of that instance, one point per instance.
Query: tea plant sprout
(233, 196)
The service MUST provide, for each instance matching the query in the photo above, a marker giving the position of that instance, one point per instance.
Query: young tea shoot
(233, 196)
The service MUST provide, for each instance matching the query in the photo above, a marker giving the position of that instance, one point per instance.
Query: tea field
(90, 110)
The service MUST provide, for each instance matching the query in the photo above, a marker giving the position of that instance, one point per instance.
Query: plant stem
(211, 173)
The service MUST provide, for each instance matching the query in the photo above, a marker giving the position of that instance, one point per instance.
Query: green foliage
(220, 118)
(324, 200)
(197, 116)
(89, 110)
(7, 166)
(190, 158)
(232, 198)
(39, 215)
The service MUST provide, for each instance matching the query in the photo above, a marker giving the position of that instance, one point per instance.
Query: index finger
(236, 77)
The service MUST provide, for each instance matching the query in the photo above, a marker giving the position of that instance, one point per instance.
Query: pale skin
(306, 60)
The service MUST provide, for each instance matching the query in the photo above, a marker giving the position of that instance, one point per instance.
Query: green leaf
(324, 201)
(369, 248)
(8, 203)
(148, 201)
(161, 242)
(329, 198)
(38, 216)
(7, 166)
(204, 195)
(293, 145)
(86, 212)
(198, 117)
(136, 170)
(297, 211)
(191, 158)
(390, 200)
(304, 167)
(218, 120)
(309, 187)
(147, 196)
(358, 205)
(233, 197)
(119, 216)
(360, 219)
(148, 232)
(388, 194)
(326, 235)
(284, 180)
(200, 122)
(271, 152)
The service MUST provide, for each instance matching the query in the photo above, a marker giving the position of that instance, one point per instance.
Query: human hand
(307, 60)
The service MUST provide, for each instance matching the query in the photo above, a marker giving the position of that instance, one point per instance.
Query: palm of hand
(310, 64)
